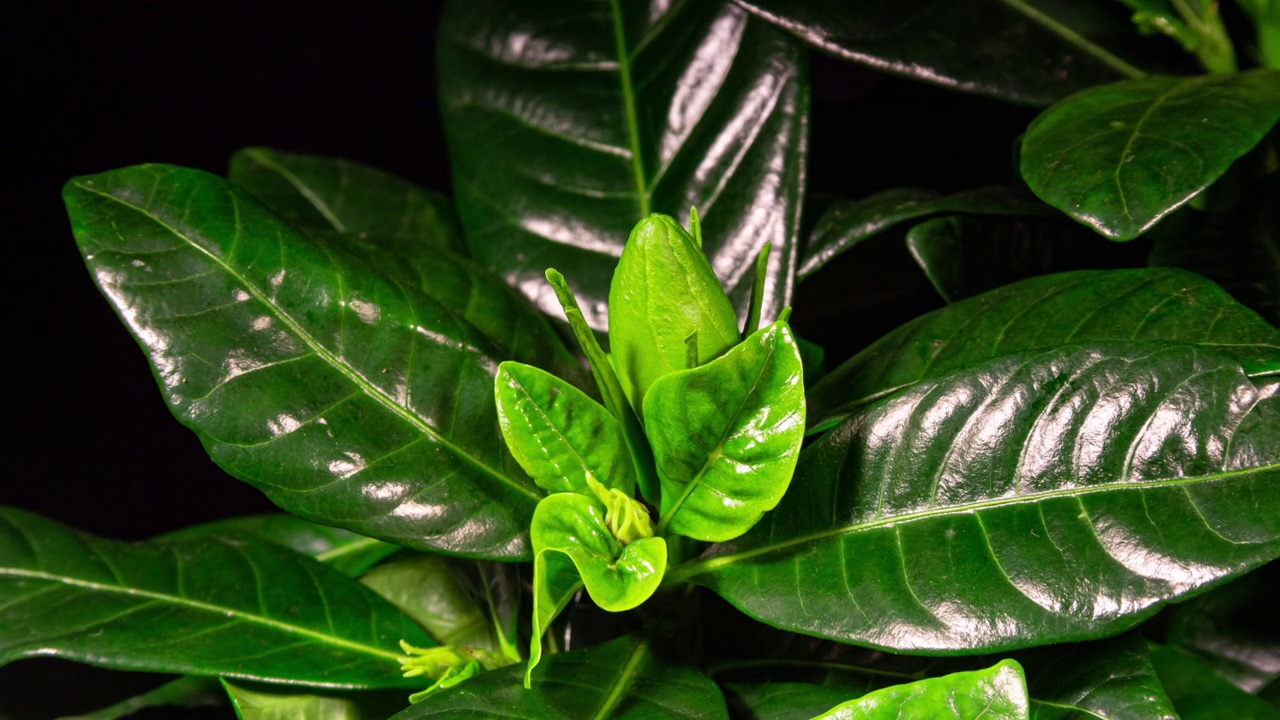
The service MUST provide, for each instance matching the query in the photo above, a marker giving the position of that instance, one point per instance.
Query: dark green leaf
(345, 551)
(318, 193)
(207, 606)
(1086, 306)
(664, 296)
(726, 436)
(567, 123)
(1234, 630)
(1198, 694)
(1030, 52)
(1118, 158)
(344, 395)
(964, 256)
(187, 692)
(427, 590)
(1041, 497)
(998, 693)
(783, 700)
(1106, 680)
(256, 702)
(846, 223)
(560, 436)
(625, 678)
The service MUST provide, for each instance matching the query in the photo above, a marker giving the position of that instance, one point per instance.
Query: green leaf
(965, 256)
(663, 296)
(727, 435)
(268, 703)
(1233, 630)
(187, 692)
(318, 193)
(1120, 157)
(559, 435)
(1198, 694)
(345, 396)
(1111, 679)
(624, 678)
(998, 693)
(1030, 52)
(782, 700)
(1085, 306)
(846, 223)
(1046, 496)
(345, 551)
(427, 589)
(204, 606)
(569, 123)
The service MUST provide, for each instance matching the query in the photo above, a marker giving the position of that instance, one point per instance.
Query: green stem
(1071, 36)
(1215, 50)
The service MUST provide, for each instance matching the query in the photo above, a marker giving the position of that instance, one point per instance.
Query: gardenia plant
(1056, 496)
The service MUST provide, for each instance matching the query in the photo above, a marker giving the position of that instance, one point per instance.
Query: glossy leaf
(427, 589)
(624, 678)
(207, 606)
(1085, 306)
(345, 551)
(727, 435)
(846, 223)
(1031, 52)
(1045, 496)
(268, 703)
(1199, 694)
(345, 396)
(998, 693)
(663, 296)
(559, 435)
(1233, 630)
(319, 193)
(1120, 157)
(1111, 679)
(782, 700)
(965, 256)
(567, 123)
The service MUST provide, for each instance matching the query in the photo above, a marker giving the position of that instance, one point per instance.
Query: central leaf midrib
(629, 109)
(622, 681)
(699, 567)
(220, 611)
(349, 373)
(303, 189)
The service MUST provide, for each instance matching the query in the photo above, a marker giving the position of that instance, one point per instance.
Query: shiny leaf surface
(1120, 157)
(965, 256)
(624, 678)
(266, 703)
(1086, 306)
(1233, 630)
(727, 435)
(427, 590)
(846, 223)
(319, 193)
(1198, 694)
(1046, 496)
(568, 122)
(1110, 679)
(663, 296)
(345, 551)
(998, 693)
(344, 395)
(1031, 52)
(208, 606)
(559, 435)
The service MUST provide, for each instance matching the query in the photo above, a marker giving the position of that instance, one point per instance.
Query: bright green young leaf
(567, 123)
(187, 692)
(726, 436)
(965, 256)
(1199, 694)
(1041, 497)
(257, 702)
(664, 295)
(1030, 52)
(559, 435)
(1233, 630)
(203, 606)
(998, 693)
(319, 193)
(427, 589)
(623, 678)
(345, 551)
(1043, 312)
(1120, 157)
(347, 397)
(846, 223)
(1111, 679)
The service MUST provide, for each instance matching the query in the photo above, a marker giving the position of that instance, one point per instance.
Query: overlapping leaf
(349, 553)
(1198, 694)
(964, 256)
(568, 122)
(624, 678)
(1041, 497)
(346, 396)
(1044, 312)
(209, 606)
(1233, 630)
(998, 693)
(1111, 679)
(255, 702)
